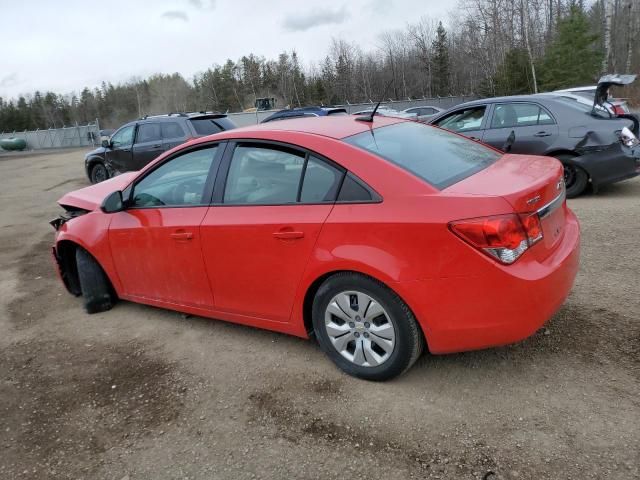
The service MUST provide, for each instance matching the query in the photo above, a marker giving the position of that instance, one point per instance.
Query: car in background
(586, 141)
(424, 112)
(586, 95)
(598, 96)
(385, 111)
(378, 237)
(304, 112)
(137, 143)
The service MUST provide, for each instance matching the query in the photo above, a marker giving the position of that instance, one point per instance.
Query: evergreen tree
(514, 75)
(441, 74)
(572, 59)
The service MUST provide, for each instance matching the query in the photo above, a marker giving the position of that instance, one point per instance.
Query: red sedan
(378, 238)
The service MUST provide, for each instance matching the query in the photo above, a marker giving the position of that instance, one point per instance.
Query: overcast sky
(65, 45)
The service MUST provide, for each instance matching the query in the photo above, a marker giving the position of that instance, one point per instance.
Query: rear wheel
(575, 178)
(365, 328)
(94, 284)
(99, 173)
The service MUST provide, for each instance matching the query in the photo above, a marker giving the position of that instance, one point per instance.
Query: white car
(425, 111)
(586, 95)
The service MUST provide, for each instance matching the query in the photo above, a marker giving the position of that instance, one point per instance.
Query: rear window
(436, 156)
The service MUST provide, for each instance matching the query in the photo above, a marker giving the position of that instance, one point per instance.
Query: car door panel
(119, 156)
(255, 255)
(148, 145)
(531, 134)
(156, 241)
(158, 255)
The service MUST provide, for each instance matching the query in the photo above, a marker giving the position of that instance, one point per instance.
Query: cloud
(315, 18)
(203, 4)
(9, 80)
(176, 15)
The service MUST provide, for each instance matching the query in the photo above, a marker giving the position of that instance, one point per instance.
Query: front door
(148, 144)
(534, 129)
(119, 155)
(156, 241)
(258, 237)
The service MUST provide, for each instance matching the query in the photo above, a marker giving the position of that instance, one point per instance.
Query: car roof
(328, 126)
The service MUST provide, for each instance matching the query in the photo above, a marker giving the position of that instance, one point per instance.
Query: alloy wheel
(360, 329)
(569, 175)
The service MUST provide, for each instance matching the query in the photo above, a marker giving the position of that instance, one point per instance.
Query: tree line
(494, 47)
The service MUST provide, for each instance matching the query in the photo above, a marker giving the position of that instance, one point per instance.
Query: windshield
(440, 158)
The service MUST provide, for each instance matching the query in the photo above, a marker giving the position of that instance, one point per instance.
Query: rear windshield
(436, 156)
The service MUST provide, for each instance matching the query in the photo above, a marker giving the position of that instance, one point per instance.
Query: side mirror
(106, 143)
(113, 203)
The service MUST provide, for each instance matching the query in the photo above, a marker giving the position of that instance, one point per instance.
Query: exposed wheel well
(66, 251)
(307, 304)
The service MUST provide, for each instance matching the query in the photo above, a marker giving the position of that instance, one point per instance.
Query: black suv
(139, 142)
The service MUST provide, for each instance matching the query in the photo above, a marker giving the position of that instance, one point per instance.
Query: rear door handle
(288, 235)
(475, 138)
(181, 235)
(158, 145)
(542, 134)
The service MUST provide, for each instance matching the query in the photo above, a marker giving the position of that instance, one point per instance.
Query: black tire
(409, 341)
(94, 284)
(575, 178)
(99, 173)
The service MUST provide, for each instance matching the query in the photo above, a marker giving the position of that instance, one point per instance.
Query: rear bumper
(611, 165)
(506, 305)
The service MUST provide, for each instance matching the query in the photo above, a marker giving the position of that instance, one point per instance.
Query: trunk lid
(529, 183)
(90, 198)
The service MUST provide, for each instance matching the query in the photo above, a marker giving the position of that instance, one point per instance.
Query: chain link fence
(65, 137)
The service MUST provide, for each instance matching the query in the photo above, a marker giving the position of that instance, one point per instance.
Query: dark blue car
(304, 112)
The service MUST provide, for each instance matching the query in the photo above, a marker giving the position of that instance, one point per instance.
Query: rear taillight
(618, 110)
(502, 237)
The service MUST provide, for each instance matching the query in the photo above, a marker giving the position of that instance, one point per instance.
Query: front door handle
(475, 138)
(542, 134)
(158, 145)
(288, 235)
(181, 235)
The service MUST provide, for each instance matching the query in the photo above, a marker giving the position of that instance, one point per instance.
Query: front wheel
(365, 328)
(99, 173)
(95, 286)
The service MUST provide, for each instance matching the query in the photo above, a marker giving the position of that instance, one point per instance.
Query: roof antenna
(369, 118)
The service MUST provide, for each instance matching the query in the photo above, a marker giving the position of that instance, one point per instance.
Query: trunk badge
(533, 200)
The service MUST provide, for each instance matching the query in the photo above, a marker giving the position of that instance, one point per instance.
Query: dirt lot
(139, 393)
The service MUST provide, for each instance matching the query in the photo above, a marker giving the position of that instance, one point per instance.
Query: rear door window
(436, 156)
(263, 175)
(508, 115)
(148, 132)
(171, 130)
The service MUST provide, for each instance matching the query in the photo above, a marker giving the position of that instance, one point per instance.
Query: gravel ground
(139, 392)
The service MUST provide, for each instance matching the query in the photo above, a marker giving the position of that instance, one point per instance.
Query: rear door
(119, 156)
(469, 121)
(173, 134)
(270, 204)
(534, 128)
(148, 144)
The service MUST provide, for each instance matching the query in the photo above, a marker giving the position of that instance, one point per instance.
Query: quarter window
(148, 132)
(179, 182)
(123, 137)
(463, 120)
(519, 115)
(172, 130)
